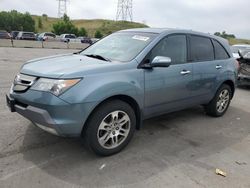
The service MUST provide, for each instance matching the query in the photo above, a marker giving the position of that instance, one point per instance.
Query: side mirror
(161, 61)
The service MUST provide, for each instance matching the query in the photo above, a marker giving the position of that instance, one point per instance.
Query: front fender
(96, 88)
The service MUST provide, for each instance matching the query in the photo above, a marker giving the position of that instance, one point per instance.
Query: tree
(98, 34)
(45, 16)
(224, 34)
(28, 22)
(64, 26)
(14, 20)
(82, 32)
(217, 34)
(40, 23)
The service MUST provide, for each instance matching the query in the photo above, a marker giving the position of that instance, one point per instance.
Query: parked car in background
(237, 48)
(244, 69)
(22, 35)
(4, 35)
(104, 92)
(68, 38)
(14, 34)
(36, 35)
(86, 40)
(46, 36)
(94, 40)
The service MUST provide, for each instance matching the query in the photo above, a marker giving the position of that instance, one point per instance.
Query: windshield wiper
(97, 57)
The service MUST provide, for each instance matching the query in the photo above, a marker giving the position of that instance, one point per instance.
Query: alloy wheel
(223, 101)
(114, 129)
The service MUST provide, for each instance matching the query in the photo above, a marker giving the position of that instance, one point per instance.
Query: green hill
(105, 26)
(238, 41)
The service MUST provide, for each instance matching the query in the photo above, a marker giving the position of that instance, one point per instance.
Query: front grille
(23, 82)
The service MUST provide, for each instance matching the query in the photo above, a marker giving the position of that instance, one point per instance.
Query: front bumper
(39, 117)
(50, 113)
(243, 80)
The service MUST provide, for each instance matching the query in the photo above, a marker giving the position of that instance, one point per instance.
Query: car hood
(63, 66)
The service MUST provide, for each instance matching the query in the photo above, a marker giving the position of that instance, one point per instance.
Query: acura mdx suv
(104, 92)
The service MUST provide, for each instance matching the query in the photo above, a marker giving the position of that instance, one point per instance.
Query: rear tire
(221, 101)
(110, 128)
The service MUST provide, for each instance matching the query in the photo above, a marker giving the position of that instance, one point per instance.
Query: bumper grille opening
(21, 104)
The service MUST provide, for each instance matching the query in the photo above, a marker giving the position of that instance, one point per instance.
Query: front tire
(110, 128)
(218, 106)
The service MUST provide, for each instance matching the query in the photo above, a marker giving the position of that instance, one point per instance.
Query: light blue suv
(104, 92)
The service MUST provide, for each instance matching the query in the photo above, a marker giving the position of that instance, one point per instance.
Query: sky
(207, 16)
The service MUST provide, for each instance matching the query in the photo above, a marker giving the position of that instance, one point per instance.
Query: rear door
(206, 68)
(167, 89)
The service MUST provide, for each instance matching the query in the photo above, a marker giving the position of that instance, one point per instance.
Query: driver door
(168, 88)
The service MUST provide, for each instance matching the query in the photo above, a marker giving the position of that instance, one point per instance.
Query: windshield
(120, 46)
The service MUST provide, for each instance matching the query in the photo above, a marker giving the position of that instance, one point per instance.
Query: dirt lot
(181, 149)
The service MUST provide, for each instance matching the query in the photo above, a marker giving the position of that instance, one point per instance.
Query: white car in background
(46, 36)
(69, 38)
(239, 47)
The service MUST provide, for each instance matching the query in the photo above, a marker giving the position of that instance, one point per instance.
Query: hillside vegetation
(105, 26)
(238, 41)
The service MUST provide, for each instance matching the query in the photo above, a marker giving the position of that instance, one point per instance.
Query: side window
(220, 52)
(174, 46)
(201, 49)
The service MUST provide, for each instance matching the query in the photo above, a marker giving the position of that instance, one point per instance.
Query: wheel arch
(231, 84)
(125, 98)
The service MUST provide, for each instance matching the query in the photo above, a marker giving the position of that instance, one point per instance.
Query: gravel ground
(181, 149)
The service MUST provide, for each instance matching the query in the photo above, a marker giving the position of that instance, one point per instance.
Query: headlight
(54, 86)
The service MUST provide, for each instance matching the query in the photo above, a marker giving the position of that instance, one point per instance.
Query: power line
(124, 10)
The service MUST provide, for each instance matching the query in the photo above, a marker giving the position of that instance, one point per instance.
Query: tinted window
(201, 49)
(28, 34)
(72, 36)
(49, 35)
(174, 47)
(220, 52)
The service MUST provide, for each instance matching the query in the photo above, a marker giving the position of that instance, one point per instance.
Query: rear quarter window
(201, 48)
(219, 50)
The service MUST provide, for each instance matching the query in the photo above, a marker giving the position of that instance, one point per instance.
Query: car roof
(167, 30)
(147, 30)
(26, 32)
(173, 30)
(48, 32)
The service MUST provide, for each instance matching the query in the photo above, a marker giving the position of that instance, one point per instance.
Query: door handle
(184, 72)
(218, 67)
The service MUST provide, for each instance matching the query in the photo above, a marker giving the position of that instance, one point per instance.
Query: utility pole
(124, 10)
(62, 8)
